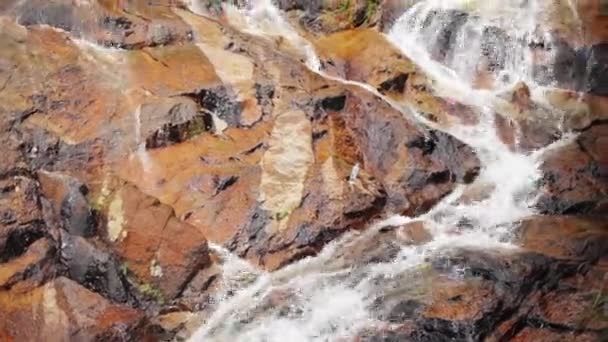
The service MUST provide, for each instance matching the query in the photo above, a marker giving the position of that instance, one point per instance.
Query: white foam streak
(140, 144)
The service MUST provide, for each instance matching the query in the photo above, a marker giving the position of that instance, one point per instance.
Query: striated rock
(162, 253)
(170, 120)
(274, 198)
(333, 16)
(66, 311)
(574, 180)
(364, 55)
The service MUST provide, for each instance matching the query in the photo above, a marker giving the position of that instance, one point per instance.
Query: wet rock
(274, 199)
(495, 44)
(547, 335)
(198, 295)
(159, 251)
(348, 54)
(446, 24)
(593, 20)
(333, 16)
(366, 56)
(165, 327)
(365, 250)
(566, 237)
(414, 233)
(31, 268)
(68, 197)
(597, 81)
(65, 310)
(574, 177)
(122, 25)
(504, 295)
(219, 102)
(526, 125)
(21, 219)
(93, 268)
(391, 11)
(172, 120)
(56, 14)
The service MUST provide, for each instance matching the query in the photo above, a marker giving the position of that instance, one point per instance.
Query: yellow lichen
(116, 220)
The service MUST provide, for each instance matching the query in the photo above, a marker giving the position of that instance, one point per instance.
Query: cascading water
(472, 37)
(326, 298)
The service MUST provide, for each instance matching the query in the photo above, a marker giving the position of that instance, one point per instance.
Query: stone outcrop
(66, 311)
(161, 253)
(575, 179)
(136, 135)
(519, 295)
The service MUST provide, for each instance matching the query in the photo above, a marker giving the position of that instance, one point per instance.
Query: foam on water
(140, 144)
(325, 298)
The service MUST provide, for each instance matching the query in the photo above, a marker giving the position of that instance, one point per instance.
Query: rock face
(162, 253)
(113, 23)
(174, 130)
(137, 134)
(65, 310)
(517, 295)
(575, 176)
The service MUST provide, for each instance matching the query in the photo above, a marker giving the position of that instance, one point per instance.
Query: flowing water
(324, 299)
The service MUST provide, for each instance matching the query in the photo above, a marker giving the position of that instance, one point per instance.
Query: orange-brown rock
(274, 198)
(21, 218)
(123, 24)
(414, 233)
(566, 237)
(33, 267)
(575, 179)
(64, 311)
(161, 252)
(365, 55)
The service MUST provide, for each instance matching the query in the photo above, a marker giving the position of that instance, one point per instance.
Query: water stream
(326, 299)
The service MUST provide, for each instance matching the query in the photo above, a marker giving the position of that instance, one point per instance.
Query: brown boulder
(161, 252)
(566, 237)
(414, 233)
(129, 25)
(66, 311)
(575, 178)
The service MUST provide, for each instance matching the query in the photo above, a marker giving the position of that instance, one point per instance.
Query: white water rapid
(326, 298)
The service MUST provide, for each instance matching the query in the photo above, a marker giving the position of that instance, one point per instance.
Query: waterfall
(329, 302)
